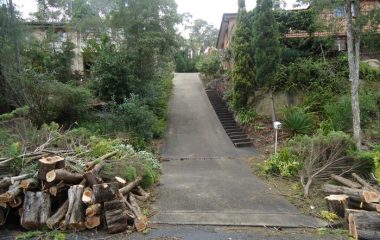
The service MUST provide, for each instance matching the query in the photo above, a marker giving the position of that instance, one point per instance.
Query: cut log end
(92, 222)
(51, 176)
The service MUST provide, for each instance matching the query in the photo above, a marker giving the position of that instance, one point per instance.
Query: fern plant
(298, 121)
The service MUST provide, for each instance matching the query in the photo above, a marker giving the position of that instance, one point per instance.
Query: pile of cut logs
(358, 202)
(62, 199)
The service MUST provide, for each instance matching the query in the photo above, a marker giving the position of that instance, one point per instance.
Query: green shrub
(138, 118)
(246, 117)
(209, 64)
(130, 173)
(50, 100)
(368, 73)
(129, 164)
(340, 111)
(297, 120)
(18, 112)
(284, 163)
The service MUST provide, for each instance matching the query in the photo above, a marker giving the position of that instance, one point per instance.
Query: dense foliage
(266, 44)
(123, 39)
(243, 75)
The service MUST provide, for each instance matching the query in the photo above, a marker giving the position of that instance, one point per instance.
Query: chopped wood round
(105, 192)
(47, 164)
(63, 175)
(92, 222)
(337, 204)
(94, 210)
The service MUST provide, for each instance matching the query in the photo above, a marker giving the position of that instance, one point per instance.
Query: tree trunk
(364, 206)
(353, 51)
(36, 210)
(3, 215)
(55, 219)
(337, 204)
(105, 192)
(92, 178)
(63, 175)
(363, 182)
(356, 194)
(273, 109)
(75, 214)
(15, 38)
(5, 182)
(364, 225)
(117, 216)
(140, 221)
(345, 181)
(11, 194)
(130, 186)
(28, 184)
(49, 163)
(143, 195)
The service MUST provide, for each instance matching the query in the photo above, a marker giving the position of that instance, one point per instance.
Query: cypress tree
(266, 46)
(243, 69)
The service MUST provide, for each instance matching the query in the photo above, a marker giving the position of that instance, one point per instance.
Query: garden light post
(276, 126)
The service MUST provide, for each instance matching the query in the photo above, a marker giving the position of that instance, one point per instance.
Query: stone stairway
(226, 118)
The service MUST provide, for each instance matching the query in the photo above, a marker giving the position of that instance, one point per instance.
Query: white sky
(209, 10)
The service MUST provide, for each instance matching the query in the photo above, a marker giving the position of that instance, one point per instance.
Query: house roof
(223, 30)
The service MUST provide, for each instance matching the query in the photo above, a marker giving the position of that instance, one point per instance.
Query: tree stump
(36, 210)
(337, 204)
(49, 163)
(117, 216)
(105, 192)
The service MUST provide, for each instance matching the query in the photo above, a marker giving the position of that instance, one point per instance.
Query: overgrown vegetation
(38, 72)
(318, 130)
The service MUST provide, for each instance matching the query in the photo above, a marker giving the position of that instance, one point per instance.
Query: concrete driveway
(205, 178)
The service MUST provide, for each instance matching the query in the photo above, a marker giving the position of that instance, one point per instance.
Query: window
(339, 12)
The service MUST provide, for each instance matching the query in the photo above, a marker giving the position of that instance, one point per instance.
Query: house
(334, 22)
(226, 30)
(39, 31)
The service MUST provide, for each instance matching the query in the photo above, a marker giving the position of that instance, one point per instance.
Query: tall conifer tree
(243, 69)
(266, 46)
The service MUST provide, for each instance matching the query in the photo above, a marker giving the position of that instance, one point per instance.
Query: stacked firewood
(56, 197)
(358, 202)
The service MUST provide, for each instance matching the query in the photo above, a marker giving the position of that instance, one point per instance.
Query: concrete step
(233, 128)
(244, 144)
(237, 136)
(229, 125)
(241, 140)
(234, 131)
(226, 122)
